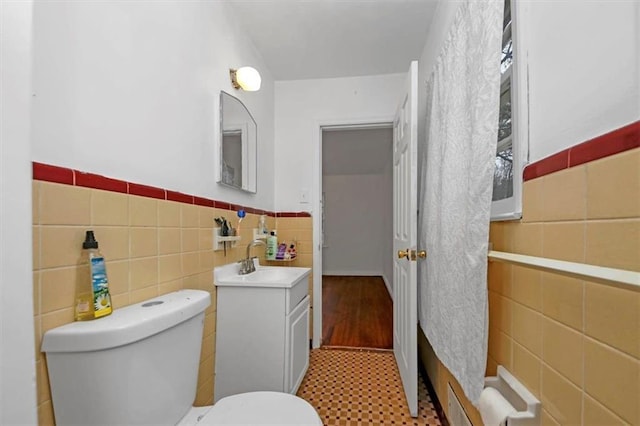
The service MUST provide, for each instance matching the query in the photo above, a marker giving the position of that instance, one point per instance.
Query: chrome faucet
(246, 265)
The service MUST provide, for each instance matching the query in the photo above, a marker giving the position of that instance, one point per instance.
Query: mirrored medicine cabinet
(238, 145)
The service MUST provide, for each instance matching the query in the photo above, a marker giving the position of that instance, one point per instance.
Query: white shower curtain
(455, 196)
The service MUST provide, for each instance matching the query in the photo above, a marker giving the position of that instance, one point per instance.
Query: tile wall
(152, 247)
(574, 343)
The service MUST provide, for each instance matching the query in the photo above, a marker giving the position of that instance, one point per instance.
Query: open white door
(405, 238)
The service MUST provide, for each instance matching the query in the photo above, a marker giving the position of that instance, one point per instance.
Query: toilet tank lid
(127, 325)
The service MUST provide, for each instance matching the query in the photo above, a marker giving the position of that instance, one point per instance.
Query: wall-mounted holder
(524, 406)
(257, 235)
(221, 243)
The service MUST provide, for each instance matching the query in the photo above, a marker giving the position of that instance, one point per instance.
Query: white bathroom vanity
(262, 329)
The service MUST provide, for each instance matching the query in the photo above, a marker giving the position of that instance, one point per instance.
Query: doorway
(357, 238)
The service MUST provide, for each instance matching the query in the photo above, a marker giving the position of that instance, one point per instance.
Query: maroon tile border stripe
(56, 174)
(614, 142)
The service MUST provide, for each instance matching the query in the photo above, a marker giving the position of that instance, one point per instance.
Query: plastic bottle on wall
(272, 246)
(92, 292)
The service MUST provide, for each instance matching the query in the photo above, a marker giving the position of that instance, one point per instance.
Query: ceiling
(306, 39)
(356, 151)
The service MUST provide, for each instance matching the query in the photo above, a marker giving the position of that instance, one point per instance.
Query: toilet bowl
(140, 366)
(255, 408)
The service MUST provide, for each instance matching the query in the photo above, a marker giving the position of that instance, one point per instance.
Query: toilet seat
(260, 408)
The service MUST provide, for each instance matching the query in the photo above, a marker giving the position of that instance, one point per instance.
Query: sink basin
(264, 276)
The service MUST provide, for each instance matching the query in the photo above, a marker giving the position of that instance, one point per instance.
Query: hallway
(357, 312)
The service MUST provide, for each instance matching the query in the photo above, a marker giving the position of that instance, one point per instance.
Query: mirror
(238, 145)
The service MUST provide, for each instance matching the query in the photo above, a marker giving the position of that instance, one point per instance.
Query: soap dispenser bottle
(92, 292)
(272, 246)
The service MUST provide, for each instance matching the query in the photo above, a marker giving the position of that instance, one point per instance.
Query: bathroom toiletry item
(272, 246)
(282, 248)
(291, 251)
(241, 214)
(262, 224)
(92, 293)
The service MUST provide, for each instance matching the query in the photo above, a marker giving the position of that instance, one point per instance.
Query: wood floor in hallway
(356, 312)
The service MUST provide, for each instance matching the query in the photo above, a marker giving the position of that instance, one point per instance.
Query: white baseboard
(387, 283)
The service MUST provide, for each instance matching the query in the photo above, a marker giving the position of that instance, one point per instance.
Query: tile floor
(361, 387)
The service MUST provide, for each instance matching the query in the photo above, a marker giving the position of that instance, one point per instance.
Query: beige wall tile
(109, 208)
(56, 319)
(169, 268)
(562, 299)
(562, 349)
(169, 240)
(120, 300)
(612, 315)
(527, 239)
(206, 350)
(64, 204)
(42, 381)
(564, 241)
(527, 368)
(191, 239)
(142, 295)
(564, 194)
(613, 186)
(596, 414)
(205, 239)
(169, 287)
(168, 213)
(144, 241)
(60, 245)
(143, 211)
(35, 247)
(36, 293)
(209, 325)
(527, 328)
(532, 198)
(37, 336)
(35, 202)
(500, 347)
(204, 396)
(143, 272)
(118, 274)
(113, 241)
(58, 287)
(613, 379)
(496, 235)
(207, 260)
(205, 217)
(561, 398)
(191, 216)
(547, 419)
(500, 276)
(190, 263)
(615, 244)
(45, 414)
(527, 287)
(499, 311)
(206, 370)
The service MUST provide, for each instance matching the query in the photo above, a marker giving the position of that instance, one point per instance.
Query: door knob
(422, 254)
(403, 253)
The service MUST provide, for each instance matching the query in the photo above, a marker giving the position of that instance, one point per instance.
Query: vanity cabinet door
(296, 346)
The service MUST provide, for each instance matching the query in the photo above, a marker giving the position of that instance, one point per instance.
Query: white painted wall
(356, 211)
(584, 72)
(131, 90)
(302, 105)
(17, 352)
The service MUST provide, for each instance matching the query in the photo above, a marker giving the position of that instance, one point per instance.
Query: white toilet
(140, 366)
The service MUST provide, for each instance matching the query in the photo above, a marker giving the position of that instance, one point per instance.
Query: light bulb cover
(246, 78)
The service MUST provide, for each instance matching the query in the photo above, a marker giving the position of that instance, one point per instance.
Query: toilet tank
(137, 366)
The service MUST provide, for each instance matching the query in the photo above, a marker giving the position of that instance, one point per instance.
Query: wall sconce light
(245, 78)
